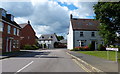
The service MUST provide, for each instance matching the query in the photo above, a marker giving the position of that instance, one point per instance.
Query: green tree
(108, 13)
(60, 38)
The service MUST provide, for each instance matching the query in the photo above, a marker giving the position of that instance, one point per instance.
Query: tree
(108, 13)
(60, 38)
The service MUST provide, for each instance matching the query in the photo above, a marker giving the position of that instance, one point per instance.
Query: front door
(93, 45)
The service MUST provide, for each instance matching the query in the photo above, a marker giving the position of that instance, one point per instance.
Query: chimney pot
(71, 16)
(28, 22)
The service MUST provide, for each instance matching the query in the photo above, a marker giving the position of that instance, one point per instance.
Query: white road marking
(24, 67)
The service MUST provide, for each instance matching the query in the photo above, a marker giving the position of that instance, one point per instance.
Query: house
(63, 43)
(0, 37)
(9, 32)
(48, 40)
(83, 32)
(27, 34)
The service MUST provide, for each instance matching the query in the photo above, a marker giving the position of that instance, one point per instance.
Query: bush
(34, 47)
(91, 47)
(27, 47)
(101, 47)
(85, 48)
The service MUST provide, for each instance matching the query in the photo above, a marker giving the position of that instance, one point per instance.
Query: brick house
(27, 34)
(10, 38)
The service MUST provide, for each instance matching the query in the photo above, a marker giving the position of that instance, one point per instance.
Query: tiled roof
(23, 25)
(84, 24)
(63, 41)
(46, 37)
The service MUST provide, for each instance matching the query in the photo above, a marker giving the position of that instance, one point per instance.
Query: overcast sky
(49, 16)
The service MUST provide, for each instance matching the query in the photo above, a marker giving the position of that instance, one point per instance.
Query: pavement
(13, 54)
(53, 60)
(99, 63)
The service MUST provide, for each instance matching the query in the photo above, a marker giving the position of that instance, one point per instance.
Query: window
(42, 36)
(15, 31)
(17, 43)
(1, 26)
(14, 43)
(82, 44)
(9, 29)
(81, 34)
(93, 34)
(51, 37)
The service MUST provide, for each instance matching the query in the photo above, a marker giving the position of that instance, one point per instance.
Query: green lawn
(103, 54)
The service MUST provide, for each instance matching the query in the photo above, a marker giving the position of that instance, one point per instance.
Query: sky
(48, 16)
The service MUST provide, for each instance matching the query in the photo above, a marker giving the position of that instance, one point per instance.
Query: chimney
(28, 22)
(10, 17)
(71, 16)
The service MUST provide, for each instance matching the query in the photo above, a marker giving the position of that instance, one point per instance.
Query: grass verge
(103, 54)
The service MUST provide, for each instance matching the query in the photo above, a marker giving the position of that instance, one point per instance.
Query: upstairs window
(15, 31)
(42, 37)
(93, 34)
(9, 27)
(1, 26)
(51, 36)
(81, 34)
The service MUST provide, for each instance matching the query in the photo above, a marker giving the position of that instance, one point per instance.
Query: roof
(46, 37)
(63, 41)
(23, 25)
(84, 24)
(12, 22)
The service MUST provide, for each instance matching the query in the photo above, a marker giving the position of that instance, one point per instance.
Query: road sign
(113, 49)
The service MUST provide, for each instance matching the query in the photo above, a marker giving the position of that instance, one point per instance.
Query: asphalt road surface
(52, 60)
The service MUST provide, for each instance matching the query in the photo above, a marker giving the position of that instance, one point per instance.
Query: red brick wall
(29, 36)
(5, 35)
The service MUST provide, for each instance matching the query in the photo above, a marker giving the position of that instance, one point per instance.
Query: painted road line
(24, 67)
(97, 70)
(81, 66)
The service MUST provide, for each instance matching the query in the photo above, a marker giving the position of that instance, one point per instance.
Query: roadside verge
(87, 67)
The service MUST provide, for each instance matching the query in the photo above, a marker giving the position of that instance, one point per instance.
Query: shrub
(27, 47)
(91, 47)
(34, 47)
(85, 48)
(101, 47)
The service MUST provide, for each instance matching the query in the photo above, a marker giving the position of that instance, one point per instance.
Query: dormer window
(42, 37)
(51, 36)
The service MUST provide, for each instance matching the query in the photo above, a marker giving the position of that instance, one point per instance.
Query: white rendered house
(83, 32)
(48, 40)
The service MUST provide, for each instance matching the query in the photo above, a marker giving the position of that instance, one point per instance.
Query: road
(52, 60)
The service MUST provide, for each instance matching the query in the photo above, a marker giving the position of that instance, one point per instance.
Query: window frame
(15, 31)
(92, 34)
(81, 34)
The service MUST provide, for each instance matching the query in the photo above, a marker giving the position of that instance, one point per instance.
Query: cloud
(48, 16)
(18, 9)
